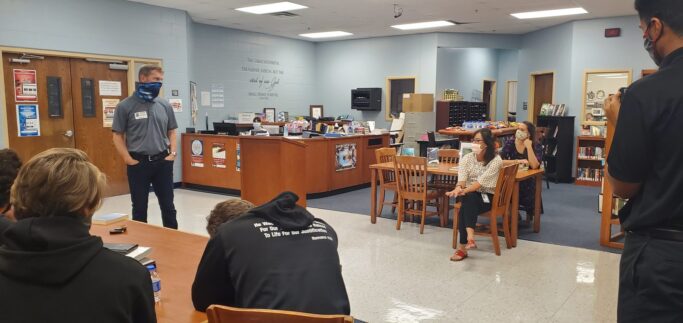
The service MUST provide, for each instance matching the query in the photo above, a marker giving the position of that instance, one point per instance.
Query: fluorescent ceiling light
(424, 25)
(272, 7)
(550, 13)
(326, 34)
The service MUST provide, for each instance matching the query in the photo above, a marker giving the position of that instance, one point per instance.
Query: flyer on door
(25, 86)
(108, 110)
(28, 120)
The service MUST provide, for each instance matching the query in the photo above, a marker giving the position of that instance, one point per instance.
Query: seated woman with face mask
(477, 179)
(524, 150)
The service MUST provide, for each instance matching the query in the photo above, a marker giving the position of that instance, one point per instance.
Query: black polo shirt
(648, 149)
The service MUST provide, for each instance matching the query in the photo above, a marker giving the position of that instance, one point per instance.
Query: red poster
(25, 86)
(218, 154)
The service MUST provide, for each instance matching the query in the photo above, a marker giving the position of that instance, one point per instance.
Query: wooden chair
(445, 183)
(411, 180)
(226, 314)
(500, 208)
(387, 179)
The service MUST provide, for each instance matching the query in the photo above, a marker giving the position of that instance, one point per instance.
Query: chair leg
(506, 230)
(455, 227)
(382, 192)
(401, 213)
(494, 235)
(437, 202)
(393, 206)
(424, 215)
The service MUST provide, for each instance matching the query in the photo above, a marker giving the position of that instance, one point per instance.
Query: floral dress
(527, 188)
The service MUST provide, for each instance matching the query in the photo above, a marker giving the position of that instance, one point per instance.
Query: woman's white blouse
(470, 170)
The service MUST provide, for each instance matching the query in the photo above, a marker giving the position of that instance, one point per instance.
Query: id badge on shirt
(140, 115)
(485, 197)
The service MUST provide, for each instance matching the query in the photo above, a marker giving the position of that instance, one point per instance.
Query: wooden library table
(523, 175)
(177, 255)
(442, 169)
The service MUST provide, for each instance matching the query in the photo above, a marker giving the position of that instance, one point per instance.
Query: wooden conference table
(446, 169)
(177, 255)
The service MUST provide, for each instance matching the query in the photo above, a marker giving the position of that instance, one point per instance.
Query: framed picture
(270, 114)
(316, 111)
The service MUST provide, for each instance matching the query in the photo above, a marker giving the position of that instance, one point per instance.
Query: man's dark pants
(160, 174)
(651, 280)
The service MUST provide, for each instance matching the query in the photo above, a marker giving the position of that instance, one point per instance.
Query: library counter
(331, 163)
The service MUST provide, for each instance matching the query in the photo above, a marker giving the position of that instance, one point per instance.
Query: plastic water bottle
(156, 282)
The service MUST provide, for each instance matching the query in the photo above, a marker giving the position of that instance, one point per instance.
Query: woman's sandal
(459, 255)
(471, 245)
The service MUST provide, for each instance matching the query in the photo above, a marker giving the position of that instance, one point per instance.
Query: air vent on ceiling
(284, 14)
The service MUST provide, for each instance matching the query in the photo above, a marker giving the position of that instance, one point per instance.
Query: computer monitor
(228, 128)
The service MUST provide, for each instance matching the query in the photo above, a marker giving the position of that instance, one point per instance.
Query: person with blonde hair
(51, 268)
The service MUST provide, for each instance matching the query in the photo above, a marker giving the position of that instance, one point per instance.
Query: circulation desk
(214, 160)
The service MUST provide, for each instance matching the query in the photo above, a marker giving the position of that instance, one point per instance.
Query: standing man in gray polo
(145, 137)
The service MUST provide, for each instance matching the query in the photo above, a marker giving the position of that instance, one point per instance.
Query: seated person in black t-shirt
(276, 256)
(9, 167)
(224, 212)
(51, 268)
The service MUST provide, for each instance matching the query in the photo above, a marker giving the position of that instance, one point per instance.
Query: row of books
(556, 110)
(596, 153)
(590, 174)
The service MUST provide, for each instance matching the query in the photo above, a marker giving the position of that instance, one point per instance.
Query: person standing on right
(144, 134)
(644, 165)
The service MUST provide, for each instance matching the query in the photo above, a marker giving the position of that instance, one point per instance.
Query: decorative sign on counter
(197, 158)
(346, 157)
(218, 155)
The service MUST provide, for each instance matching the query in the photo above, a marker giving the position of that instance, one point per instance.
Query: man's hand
(170, 157)
(131, 162)
(612, 107)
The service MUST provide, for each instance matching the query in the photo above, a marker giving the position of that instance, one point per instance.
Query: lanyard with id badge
(485, 197)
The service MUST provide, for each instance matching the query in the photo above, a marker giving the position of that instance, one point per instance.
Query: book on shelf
(594, 153)
(105, 219)
(589, 174)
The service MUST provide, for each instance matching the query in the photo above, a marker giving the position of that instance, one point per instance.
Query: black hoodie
(53, 270)
(276, 256)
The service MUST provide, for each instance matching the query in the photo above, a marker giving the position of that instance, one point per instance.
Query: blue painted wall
(231, 58)
(465, 70)
(345, 65)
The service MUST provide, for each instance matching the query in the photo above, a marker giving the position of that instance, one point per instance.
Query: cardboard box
(418, 102)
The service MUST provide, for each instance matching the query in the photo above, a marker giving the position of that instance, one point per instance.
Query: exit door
(71, 111)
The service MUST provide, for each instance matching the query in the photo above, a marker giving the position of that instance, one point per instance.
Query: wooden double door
(70, 108)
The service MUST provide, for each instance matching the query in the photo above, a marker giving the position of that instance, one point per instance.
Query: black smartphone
(118, 230)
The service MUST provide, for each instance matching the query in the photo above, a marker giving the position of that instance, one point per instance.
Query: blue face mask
(147, 91)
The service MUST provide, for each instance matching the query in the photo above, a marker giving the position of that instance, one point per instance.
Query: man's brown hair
(58, 182)
(224, 212)
(148, 69)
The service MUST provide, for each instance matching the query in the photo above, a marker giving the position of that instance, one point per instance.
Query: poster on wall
(28, 120)
(238, 157)
(25, 85)
(193, 102)
(197, 150)
(108, 109)
(218, 155)
(176, 104)
(217, 96)
(345, 157)
(110, 88)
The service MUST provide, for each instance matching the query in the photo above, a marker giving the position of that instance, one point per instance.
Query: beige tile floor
(402, 276)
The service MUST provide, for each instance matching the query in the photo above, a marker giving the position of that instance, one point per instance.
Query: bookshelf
(558, 143)
(590, 157)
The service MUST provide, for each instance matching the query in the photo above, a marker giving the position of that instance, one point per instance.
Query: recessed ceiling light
(326, 34)
(424, 25)
(271, 8)
(550, 13)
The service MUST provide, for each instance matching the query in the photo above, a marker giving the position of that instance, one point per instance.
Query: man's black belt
(670, 234)
(149, 158)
